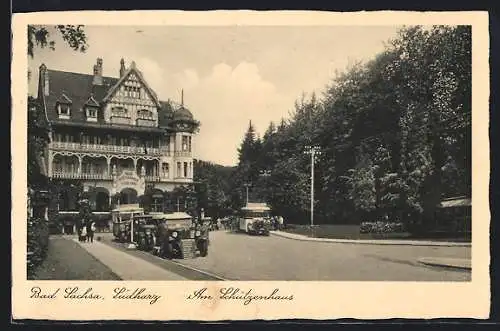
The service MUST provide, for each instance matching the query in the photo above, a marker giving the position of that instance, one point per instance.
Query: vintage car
(179, 237)
(122, 217)
(255, 219)
(145, 232)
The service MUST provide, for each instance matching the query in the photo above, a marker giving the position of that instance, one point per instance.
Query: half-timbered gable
(131, 101)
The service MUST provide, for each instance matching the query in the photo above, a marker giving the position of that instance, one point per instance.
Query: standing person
(280, 223)
(84, 233)
(90, 230)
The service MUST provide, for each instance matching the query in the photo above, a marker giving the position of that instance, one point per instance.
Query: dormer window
(64, 111)
(64, 107)
(91, 114)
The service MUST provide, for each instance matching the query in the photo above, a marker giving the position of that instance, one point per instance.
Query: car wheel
(180, 253)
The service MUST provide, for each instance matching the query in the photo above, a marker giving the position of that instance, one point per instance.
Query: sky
(230, 74)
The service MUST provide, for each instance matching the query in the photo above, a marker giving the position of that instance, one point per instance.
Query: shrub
(38, 242)
(381, 227)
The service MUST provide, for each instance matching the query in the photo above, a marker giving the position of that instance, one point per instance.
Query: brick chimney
(122, 68)
(44, 79)
(98, 73)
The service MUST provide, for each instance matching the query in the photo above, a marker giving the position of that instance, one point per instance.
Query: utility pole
(313, 151)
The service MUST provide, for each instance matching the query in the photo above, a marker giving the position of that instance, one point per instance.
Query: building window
(185, 169)
(63, 110)
(133, 91)
(145, 114)
(165, 170)
(178, 169)
(119, 111)
(185, 144)
(157, 205)
(91, 114)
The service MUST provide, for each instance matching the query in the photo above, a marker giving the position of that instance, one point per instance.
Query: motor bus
(254, 218)
(122, 217)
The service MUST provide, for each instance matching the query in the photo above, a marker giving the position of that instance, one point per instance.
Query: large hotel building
(113, 137)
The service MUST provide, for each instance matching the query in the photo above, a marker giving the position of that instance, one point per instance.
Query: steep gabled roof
(79, 90)
(92, 102)
(64, 99)
(131, 70)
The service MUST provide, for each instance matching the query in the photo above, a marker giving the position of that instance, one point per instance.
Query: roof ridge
(79, 73)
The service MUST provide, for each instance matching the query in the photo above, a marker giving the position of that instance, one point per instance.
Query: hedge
(38, 243)
(381, 227)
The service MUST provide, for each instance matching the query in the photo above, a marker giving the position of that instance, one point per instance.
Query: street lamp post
(265, 174)
(313, 151)
(247, 185)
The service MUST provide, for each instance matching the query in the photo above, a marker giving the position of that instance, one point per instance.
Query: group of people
(86, 231)
(277, 223)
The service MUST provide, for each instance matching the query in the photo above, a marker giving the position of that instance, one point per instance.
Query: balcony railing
(83, 175)
(120, 120)
(153, 178)
(108, 148)
(97, 176)
(182, 153)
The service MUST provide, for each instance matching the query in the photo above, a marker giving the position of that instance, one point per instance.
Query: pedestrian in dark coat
(90, 231)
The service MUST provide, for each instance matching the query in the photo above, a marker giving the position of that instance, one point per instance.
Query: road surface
(236, 256)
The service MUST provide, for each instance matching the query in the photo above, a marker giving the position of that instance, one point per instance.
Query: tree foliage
(41, 36)
(38, 127)
(212, 184)
(395, 135)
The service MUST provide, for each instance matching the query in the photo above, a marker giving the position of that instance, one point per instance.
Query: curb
(371, 242)
(460, 264)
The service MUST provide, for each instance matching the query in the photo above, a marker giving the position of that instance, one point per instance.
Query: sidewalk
(447, 262)
(372, 242)
(126, 266)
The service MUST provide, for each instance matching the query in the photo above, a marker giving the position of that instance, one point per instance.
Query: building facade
(113, 137)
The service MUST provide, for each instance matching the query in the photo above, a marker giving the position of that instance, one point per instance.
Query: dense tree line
(212, 186)
(395, 136)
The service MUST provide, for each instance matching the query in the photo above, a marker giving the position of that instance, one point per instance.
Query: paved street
(242, 257)
(237, 256)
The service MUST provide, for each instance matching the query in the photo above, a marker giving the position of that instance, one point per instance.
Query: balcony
(83, 175)
(149, 122)
(165, 151)
(120, 120)
(183, 179)
(77, 147)
(96, 176)
(150, 178)
(182, 153)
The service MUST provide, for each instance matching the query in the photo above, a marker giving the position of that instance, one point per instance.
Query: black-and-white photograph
(249, 153)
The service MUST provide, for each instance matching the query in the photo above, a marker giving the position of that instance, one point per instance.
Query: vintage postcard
(239, 165)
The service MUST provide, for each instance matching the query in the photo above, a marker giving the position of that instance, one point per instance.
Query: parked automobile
(145, 232)
(179, 237)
